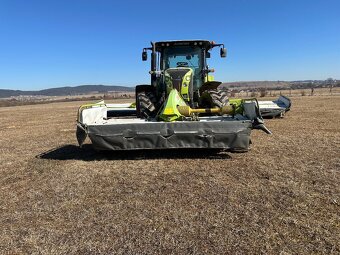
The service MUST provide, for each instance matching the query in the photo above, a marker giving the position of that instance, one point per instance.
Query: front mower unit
(127, 132)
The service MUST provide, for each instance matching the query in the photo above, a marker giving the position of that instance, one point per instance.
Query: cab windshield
(184, 56)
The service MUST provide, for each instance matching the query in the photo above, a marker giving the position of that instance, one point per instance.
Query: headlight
(188, 78)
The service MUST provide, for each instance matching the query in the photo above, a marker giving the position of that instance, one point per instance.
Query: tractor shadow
(87, 153)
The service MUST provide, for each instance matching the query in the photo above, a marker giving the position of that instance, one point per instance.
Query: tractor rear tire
(146, 102)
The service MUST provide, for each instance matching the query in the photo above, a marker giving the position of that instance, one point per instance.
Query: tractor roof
(201, 43)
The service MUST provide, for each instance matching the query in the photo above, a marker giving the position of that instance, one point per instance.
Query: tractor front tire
(146, 103)
(214, 97)
(218, 97)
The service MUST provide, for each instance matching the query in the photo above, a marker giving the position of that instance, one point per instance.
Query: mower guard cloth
(232, 135)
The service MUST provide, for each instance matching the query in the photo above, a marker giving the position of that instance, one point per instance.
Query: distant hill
(66, 91)
(302, 84)
(239, 85)
(256, 84)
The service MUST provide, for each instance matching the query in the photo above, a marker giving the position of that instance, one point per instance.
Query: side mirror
(144, 56)
(207, 54)
(223, 52)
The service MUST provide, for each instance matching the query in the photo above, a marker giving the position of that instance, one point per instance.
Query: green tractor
(181, 108)
(180, 65)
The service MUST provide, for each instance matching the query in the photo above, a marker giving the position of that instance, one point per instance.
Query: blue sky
(46, 43)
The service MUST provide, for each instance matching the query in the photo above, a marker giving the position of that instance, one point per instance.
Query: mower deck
(276, 108)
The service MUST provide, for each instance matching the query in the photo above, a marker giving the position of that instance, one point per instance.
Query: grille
(177, 77)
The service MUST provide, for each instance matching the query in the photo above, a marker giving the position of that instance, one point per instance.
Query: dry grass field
(282, 197)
